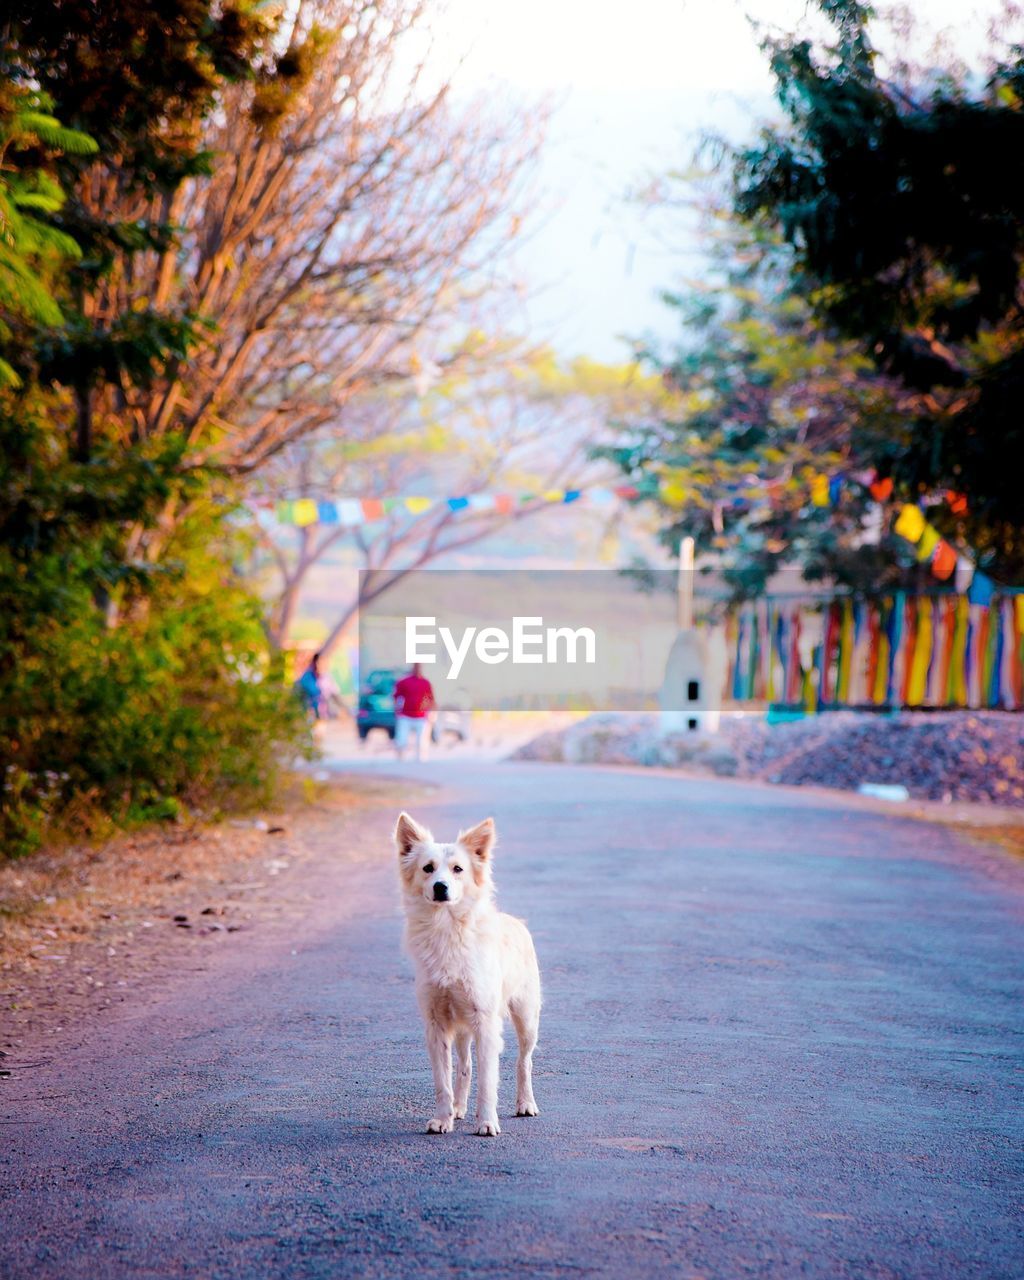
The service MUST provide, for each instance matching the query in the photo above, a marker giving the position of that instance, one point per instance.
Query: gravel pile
(962, 756)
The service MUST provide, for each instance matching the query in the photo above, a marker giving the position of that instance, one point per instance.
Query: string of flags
(826, 490)
(932, 549)
(900, 651)
(351, 512)
(820, 489)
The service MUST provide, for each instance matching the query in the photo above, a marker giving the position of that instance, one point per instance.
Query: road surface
(782, 1037)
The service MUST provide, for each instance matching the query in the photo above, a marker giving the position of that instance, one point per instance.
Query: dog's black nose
(440, 892)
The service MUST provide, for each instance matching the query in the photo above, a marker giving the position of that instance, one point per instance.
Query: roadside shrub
(183, 708)
(125, 690)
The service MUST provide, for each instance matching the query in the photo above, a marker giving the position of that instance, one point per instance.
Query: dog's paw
(528, 1108)
(460, 1113)
(441, 1124)
(488, 1128)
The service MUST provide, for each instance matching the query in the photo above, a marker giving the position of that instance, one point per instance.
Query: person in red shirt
(414, 702)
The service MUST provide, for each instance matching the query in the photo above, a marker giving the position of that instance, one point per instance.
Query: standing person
(414, 701)
(309, 690)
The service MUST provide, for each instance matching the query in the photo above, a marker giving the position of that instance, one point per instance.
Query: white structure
(689, 694)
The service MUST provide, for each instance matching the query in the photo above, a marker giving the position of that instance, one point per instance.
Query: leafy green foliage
(139, 78)
(181, 703)
(32, 247)
(905, 211)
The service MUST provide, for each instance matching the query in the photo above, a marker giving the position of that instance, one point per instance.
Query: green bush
(128, 691)
(185, 706)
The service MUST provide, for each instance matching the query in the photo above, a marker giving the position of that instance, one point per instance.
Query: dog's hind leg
(439, 1046)
(463, 1072)
(488, 1054)
(526, 1020)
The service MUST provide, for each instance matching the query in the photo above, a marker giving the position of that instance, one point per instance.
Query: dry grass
(80, 923)
(1008, 836)
(60, 893)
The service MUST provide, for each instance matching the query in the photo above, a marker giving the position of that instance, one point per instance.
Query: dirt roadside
(86, 929)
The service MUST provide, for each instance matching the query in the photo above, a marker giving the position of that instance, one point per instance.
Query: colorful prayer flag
(928, 542)
(957, 502)
(910, 523)
(943, 561)
(304, 512)
(982, 589)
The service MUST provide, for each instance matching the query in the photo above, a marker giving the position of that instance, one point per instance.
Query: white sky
(636, 82)
(648, 44)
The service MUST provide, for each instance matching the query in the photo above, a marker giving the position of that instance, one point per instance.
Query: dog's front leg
(488, 1053)
(439, 1046)
(463, 1072)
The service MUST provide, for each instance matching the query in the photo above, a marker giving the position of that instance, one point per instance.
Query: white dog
(473, 964)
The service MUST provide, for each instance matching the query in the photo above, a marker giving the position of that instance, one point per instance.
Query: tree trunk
(337, 632)
(83, 422)
(284, 615)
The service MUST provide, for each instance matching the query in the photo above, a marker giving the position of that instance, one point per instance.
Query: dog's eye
(457, 870)
(428, 868)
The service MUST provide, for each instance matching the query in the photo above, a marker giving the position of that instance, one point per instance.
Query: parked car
(376, 708)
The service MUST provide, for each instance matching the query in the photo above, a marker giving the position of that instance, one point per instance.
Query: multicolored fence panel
(899, 651)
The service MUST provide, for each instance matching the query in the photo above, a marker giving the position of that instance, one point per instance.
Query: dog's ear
(480, 840)
(408, 832)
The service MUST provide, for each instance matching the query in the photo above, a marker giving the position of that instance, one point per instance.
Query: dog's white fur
(474, 967)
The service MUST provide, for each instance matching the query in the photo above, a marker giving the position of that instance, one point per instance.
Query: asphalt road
(782, 1037)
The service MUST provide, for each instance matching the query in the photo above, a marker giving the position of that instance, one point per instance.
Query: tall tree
(499, 418)
(164, 707)
(768, 413)
(281, 252)
(906, 218)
